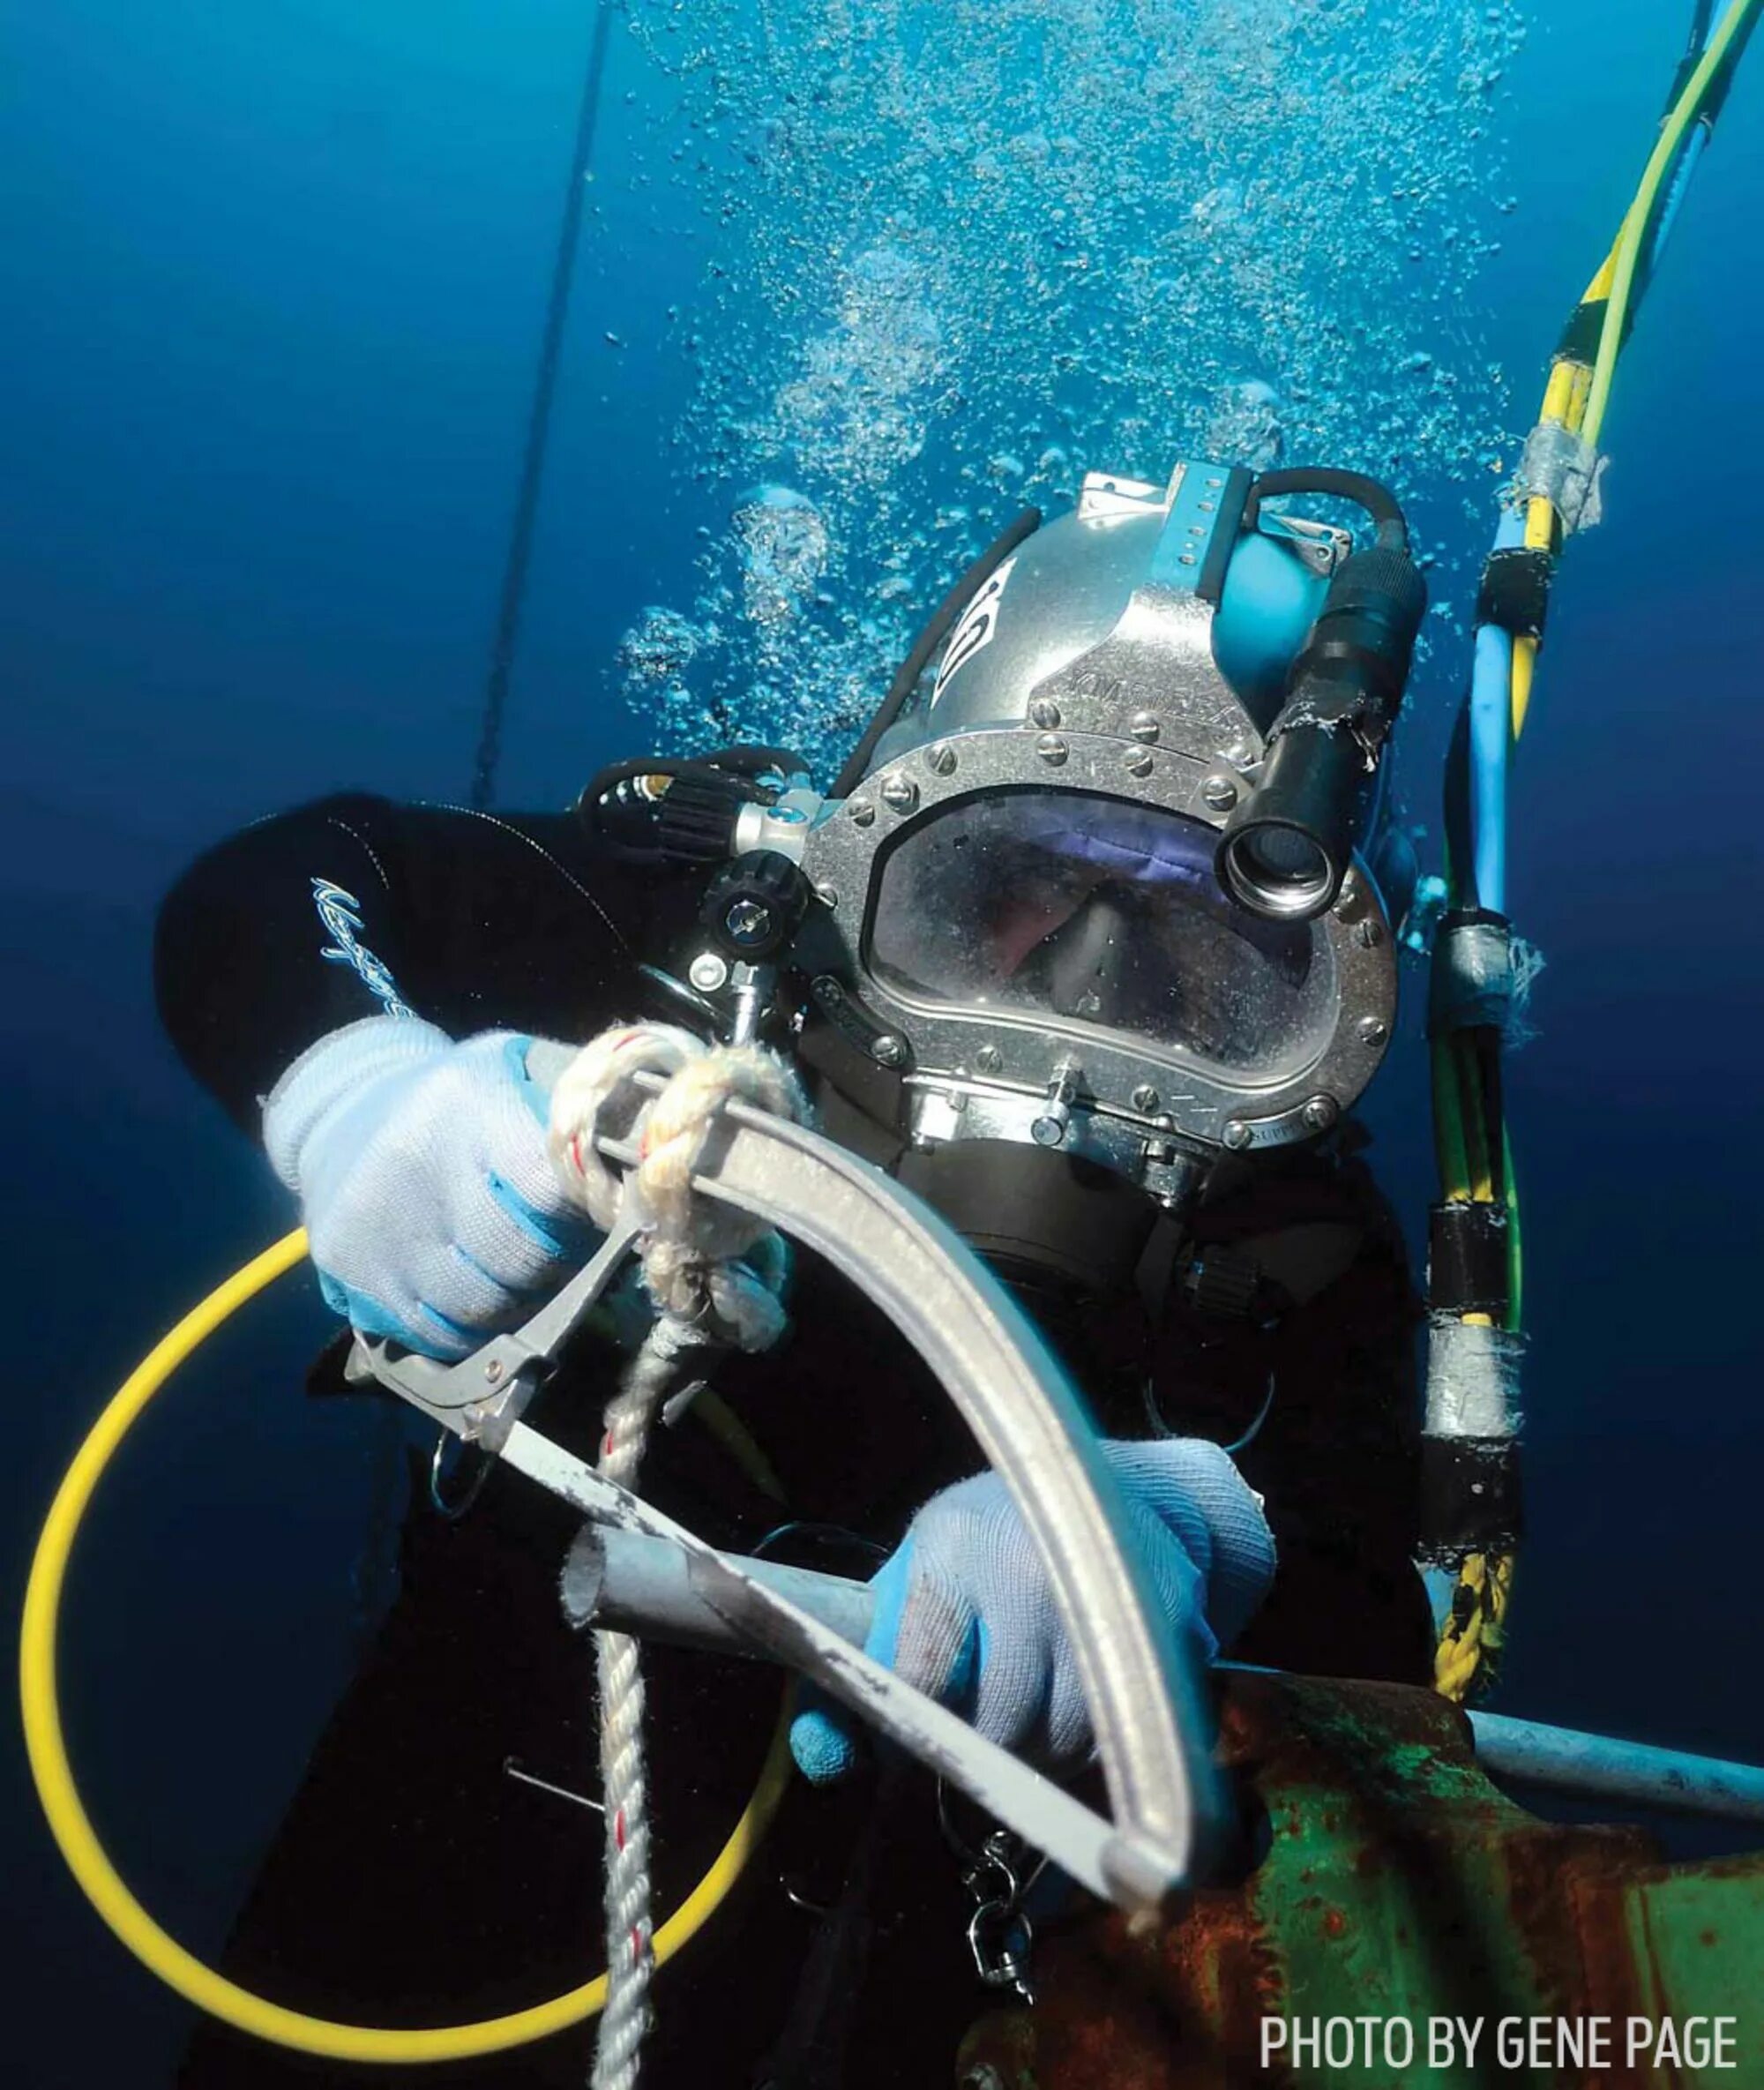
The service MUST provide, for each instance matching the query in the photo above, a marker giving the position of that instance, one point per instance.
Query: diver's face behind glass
(1092, 914)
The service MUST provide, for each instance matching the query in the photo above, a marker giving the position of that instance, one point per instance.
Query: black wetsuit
(413, 1880)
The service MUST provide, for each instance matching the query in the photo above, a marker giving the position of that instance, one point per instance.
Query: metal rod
(1567, 1761)
(512, 1767)
(644, 1586)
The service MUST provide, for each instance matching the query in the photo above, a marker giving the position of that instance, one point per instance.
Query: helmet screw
(1052, 748)
(862, 813)
(1139, 762)
(1143, 726)
(888, 1051)
(1219, 792)
(940, 760)
(900, 792)
(1144, 1097)
(989, 1058)
(828, 895)
(707, 972)
(493, 1369)
(1044, 712)
(1319, 1113)
(1374, 1029)
(748, 921)
(1237, 1134)
(1367, 934)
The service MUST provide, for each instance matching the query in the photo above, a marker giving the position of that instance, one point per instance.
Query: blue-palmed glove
(964, 1610)
(434, 1210)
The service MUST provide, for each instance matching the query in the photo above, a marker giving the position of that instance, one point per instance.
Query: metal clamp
(483, 1397)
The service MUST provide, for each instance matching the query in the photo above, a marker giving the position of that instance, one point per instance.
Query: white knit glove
(965, 1612)
(421, 1168)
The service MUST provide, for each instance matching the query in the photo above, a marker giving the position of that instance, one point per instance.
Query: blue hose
(1490, 738)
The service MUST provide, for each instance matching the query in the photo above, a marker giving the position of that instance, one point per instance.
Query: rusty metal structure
(1395, 1883)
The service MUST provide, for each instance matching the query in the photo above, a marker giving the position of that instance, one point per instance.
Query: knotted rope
(714, 1273)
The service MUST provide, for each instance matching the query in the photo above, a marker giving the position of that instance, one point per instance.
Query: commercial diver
(1090, 945)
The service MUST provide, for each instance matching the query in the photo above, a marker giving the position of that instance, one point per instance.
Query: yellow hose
(99, 1878)
(1630, 239)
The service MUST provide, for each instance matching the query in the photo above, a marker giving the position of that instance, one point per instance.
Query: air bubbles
(782, 546)
(1245, 425)
(961, 252)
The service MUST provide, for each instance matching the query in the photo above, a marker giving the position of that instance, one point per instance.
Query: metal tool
(1172, 1820)
(483, 1397)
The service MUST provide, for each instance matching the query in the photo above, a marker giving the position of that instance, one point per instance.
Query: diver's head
(1018, 906)
(1086, 913)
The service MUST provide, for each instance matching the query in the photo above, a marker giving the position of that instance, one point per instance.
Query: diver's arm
(355, 907)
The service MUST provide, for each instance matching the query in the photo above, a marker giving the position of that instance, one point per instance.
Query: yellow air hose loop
(99, 1879)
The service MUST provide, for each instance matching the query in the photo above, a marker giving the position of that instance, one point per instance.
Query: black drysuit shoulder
(355, 905)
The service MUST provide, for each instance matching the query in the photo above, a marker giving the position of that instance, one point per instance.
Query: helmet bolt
(900, 792)
(1044, 712)
(888, 1051)
(828, 895)
(1368, 935)
(707, 972)
(748, 921)
(1144, 727)
(1219, 792)
(1373, 1030)
(1319, 1113)
(989, 1058)
(862, 811)
(1144, 1097)
(940, 760)
(1139, 762)
(1052, 748)
(1237, 1134)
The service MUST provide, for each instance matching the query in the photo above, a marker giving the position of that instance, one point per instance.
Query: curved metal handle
(1170, 1821)
(1148, 1702)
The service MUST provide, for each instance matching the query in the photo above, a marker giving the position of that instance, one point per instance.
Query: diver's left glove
(435, 1212)
(965, 1612)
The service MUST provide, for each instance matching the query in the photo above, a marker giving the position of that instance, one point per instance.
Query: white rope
(714, 1273)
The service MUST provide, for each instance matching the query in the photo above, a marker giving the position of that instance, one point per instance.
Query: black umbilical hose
(1378, 500)
(906, 679)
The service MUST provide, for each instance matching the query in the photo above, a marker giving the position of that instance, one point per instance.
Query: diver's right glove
(435, 1212)
(965, 1612)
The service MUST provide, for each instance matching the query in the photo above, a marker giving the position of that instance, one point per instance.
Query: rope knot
(705, 1263)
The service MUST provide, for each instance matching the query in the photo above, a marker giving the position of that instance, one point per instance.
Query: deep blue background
(273, 272)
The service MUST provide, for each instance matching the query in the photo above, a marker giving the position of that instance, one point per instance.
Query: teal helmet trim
(1274, 588)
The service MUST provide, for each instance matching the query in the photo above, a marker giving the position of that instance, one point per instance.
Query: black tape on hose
(1515, 590)
(1470, 1498)
(1579, 339)
(1468, 1260)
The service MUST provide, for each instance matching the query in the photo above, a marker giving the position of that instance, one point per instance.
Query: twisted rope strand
(707, 1296)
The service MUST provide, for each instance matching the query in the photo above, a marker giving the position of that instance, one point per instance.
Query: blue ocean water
(274, 276)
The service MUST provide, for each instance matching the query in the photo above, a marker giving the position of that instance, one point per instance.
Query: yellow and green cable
(1470, 1136)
